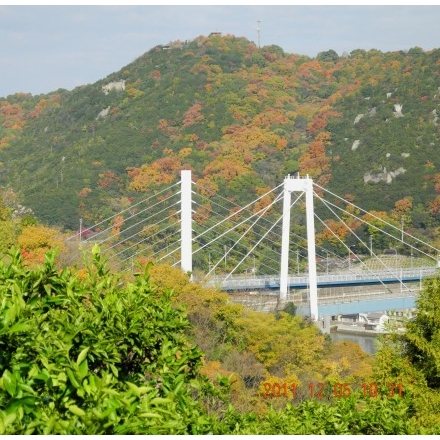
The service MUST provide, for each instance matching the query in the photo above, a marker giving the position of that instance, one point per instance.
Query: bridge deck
(235, 284)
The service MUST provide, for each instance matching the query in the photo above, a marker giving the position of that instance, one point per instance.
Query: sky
(44, 48)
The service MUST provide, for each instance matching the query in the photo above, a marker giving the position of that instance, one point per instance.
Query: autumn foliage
(35, 241)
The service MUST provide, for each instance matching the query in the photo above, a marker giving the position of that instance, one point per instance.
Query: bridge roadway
(346, 279)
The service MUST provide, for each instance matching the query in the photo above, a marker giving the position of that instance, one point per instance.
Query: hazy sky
(44, 48)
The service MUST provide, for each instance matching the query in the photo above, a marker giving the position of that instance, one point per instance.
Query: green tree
(329, 55)
(421, 341)
(412, 359)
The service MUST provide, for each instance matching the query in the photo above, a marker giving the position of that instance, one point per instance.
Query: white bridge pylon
(186, 221)
(291, 184)
(305, 185)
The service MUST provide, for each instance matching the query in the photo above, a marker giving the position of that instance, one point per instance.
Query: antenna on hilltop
(258, 32)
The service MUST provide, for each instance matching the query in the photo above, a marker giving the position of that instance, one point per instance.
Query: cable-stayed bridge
(269, 245)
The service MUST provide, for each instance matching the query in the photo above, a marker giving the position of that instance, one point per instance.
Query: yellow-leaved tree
(35, 240)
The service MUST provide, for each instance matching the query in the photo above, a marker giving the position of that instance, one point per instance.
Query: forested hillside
(363, 125)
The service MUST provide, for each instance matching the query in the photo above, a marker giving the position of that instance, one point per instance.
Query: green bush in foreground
(93, 355)
(353, 415)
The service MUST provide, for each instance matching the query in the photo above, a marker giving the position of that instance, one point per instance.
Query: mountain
(363, 125)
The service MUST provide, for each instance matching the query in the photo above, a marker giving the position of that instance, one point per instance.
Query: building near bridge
(369, 321)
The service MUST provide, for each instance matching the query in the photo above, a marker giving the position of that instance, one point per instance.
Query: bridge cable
(348, 227)
(281, 217)
(382, 231)
(140, 222)
(388, 224)
(245, 207)
(236, 205)
(154, 244)
(146, 238)
(237, 225)
(126, 209)
(228, 229)
(261, 212)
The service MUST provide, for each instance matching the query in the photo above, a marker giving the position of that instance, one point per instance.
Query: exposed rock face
(118, 86)
(358, 118)
(355, 144)
(384, 176)
(398, 110)
(103, 113)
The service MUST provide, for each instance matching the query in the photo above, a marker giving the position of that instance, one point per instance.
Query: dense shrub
(93, 355)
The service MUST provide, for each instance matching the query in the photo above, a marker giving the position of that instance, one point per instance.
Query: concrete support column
(186, 222)
(285, 240)
(311, 251)
(299, 185)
